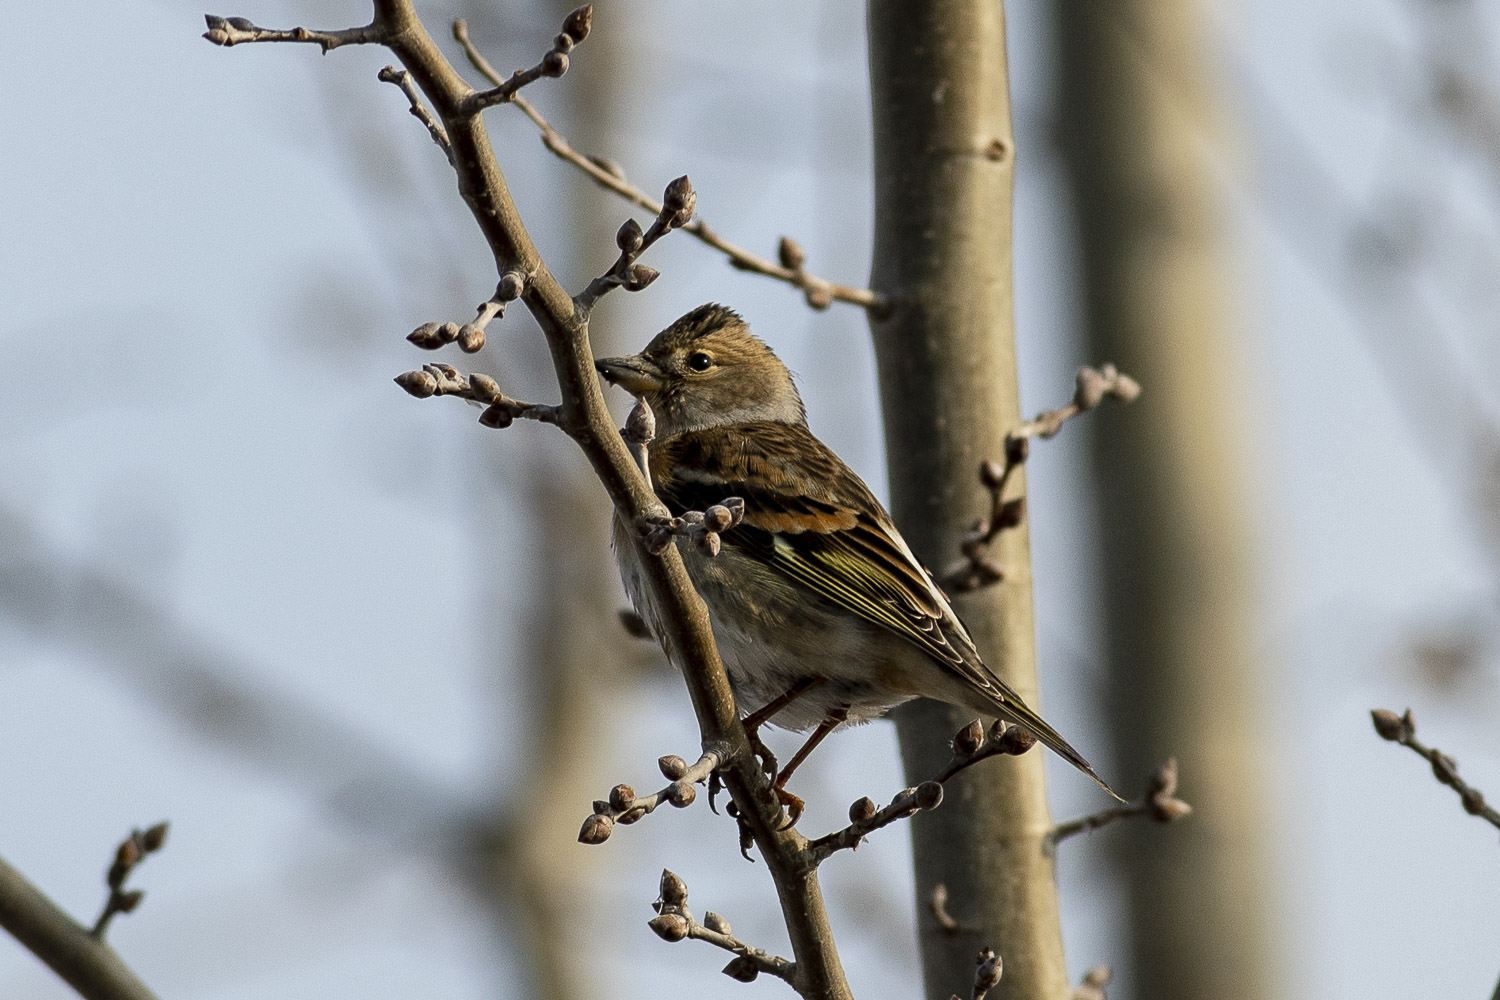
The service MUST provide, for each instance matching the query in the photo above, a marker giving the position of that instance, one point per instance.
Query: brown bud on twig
(629, 236)
(669, 927)
(1444, 768)
(449, 332)
(681, 794)
(714, 922)
(154, 837)
(638, 276)
(862, 810)
(1389, 725)
(680, 199)
(621, 798)
(791, 254)
(673, 888)
(987, 975)
(497, 416)
(708, 543)
(1017, 450)
(1012, 513)
(579, 22)
(969, 739)
(818, 297)
(929, 795)
(1126, 388)
(596, 829)
(991, 474)
(1016, 741)
(717, 518)
(554, 63)
(1090, 387)
(428, 336)
(485, 389)
(742, 969)
(512, 284)
(1473, 801)
(419, 384)
(640, 425)
(672, 767)
(470, 338)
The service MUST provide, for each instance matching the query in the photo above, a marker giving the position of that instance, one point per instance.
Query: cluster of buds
(1403, 729)
(972, 742)
(678, 202)
(701, 527)
(625, 807)
(470, 336)
(131, 852)
(675, 922)
(575, 29)
(1092, 386)
(987, 970)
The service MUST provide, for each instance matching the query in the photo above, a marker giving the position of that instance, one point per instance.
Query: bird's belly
(773, 635)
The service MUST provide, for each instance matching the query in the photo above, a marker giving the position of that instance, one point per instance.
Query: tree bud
(717, 518)
(596, 829)
(510, 287)
(554, 63)
(679, 196)
(1389, 725)
(818, 297)
(470, 338)
(791, 254)
(862, 810)
(638, 276)
(681, 794)
(1016, 741)
(621, 798)
(929, 795)
(714, 922)
(485, 389)
(969, 739)
(497, 416)
(629, 237)
(673, 888)
(428, 336)
(669, 927)
(673, 767)
(742, 970)
(579, 22)
(708, 543)
(155, 837)
(1089, 388)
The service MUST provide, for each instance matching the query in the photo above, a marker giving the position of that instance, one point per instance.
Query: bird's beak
(634, 374)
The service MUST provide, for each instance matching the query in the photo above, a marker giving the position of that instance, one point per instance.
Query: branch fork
(500, 410)
(1160, 803)
(624, 807)
(675, 922)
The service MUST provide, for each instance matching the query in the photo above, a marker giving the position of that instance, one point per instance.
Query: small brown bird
(822, 614)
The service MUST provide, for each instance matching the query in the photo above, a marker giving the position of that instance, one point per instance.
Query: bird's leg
(762, 715)
(794, 805)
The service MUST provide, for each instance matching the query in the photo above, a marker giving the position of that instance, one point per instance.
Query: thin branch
(819, 292)
(624, 807)
(1402, 729)
(402, 79)
(1160, 803)
(674, 922)
(677, 206)
(83, 961)
(937, 903)
(970, 746)
(231, 31)
(976, 569)
(500, 409)
(471, 335)
(553, 64)
(131, 852)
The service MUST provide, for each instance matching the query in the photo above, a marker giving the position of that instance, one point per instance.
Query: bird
(822, 614)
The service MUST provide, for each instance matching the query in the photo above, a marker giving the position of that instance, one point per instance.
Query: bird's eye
(700, 362)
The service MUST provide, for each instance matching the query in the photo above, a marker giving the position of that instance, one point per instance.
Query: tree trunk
(943, 185)
(1138, 124)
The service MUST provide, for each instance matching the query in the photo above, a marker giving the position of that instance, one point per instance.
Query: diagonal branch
(83, 960)
(1402, 729)
(820, 292)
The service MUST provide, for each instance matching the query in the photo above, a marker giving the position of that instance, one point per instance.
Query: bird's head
(707, 370)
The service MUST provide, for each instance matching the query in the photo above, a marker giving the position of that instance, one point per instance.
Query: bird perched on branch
(822, 615)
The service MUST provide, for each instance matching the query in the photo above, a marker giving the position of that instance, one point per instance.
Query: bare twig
(678, 202)
(554, 63)
(970, 746)
(819, 292)
(1091, 987)
(674, 922)
(470, 336)
(1160, 803)
(402, 79)
(231, 31)
(624, 807)
(500, 409)
(1402, 729)
(131, 852)
(976, 569)
(83, 961)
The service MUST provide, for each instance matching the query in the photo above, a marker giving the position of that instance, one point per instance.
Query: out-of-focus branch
(684, 630)
(1402, 729)
(1160, 803)
(1091, 987)
(977, 569)
(675, 922)
(131, 852)
(82, 959)
(820, 292)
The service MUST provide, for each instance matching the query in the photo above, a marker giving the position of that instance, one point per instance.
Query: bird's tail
(1015, 711)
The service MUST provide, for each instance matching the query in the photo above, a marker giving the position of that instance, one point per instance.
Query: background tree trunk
(947, 361)
(1137, 117)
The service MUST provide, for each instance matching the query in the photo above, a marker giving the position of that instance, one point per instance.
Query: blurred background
(363, 653)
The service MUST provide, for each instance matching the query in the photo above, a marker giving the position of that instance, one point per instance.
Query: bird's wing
(808, 516)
